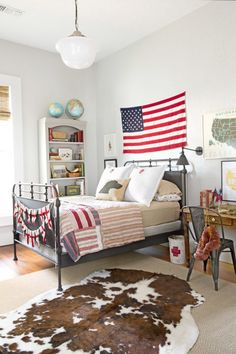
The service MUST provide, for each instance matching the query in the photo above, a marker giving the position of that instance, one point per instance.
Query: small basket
(72, 174)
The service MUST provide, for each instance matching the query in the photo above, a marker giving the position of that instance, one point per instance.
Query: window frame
(16, 109)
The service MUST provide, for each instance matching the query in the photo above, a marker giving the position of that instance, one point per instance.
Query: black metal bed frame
(26, 193)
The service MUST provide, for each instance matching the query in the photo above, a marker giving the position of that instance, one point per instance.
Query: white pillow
(114, 173)
(143, 184)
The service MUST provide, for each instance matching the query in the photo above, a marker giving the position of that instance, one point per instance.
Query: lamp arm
(185, 148)
(198, 150)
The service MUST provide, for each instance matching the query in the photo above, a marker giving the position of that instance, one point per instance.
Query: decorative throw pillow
(143, 184)
(167, 187)
(113, 190)
(114, 173)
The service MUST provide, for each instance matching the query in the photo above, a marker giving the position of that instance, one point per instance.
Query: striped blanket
(87, 229)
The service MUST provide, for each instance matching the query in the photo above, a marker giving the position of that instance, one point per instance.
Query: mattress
(160, 213)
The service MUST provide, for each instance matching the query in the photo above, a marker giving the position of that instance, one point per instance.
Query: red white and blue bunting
(25, 216)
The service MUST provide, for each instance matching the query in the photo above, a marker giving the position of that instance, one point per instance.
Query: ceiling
(112, 24)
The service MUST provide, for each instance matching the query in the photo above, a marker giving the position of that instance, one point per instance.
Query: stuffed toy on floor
(209, 241)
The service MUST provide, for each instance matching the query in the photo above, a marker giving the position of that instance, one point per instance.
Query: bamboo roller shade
(5, 113)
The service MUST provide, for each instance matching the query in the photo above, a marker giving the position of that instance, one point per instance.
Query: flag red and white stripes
(155, 127)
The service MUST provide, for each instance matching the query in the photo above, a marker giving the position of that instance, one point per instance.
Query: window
(11, 147)
(6, 152)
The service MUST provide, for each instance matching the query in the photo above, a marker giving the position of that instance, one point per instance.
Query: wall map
(219, 132)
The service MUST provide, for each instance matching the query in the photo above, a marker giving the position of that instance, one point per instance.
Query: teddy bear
(209, 241)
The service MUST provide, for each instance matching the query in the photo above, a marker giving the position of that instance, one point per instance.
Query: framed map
(219, 134)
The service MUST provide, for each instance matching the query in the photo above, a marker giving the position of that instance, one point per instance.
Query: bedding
(89, 225)
(111, 224)
(156, 214)
(159, 213)
(114, 173)
(167, 187)
(113, 190)
(167, 198)
(143, 184)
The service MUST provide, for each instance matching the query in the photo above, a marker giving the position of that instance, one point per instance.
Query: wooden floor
(29, 262)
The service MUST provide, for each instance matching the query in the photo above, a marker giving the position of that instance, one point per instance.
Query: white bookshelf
(51, 159)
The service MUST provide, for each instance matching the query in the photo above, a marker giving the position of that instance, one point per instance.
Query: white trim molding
(16, 108)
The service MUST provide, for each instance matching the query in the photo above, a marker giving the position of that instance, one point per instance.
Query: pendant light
(77, 51)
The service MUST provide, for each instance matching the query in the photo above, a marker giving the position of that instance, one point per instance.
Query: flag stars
(132, 119)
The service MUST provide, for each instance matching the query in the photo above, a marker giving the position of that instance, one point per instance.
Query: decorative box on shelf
(58, 171)
(54, 135)
(65, 154)
(72, 190)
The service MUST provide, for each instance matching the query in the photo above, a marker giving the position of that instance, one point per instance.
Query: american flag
(155, 126)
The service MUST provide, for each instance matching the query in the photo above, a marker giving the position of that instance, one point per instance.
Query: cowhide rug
(110, 311)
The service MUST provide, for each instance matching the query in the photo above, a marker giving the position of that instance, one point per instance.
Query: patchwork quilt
(88, 225)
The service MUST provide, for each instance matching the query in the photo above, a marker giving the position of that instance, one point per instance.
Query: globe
(56, 109)
(74, 108)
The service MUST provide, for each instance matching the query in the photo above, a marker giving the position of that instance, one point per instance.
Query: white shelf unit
(47, 147)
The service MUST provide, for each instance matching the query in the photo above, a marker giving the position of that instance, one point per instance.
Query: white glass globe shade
(76, 51)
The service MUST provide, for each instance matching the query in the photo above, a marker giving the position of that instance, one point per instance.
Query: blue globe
(56, 109)
(74, 109)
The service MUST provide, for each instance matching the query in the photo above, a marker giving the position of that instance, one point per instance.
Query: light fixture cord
(76, 16)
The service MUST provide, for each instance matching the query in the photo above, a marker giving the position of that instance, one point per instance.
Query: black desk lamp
(183, 161)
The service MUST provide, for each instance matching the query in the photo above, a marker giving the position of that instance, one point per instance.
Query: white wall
(46, 79)
(196, 54)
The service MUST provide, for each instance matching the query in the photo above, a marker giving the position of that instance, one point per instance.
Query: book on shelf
(50, 134)
(53, 153)
(77, 137)
(55, 157)
(62, 140)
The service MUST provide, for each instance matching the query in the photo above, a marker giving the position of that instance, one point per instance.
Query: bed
(33, 203)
